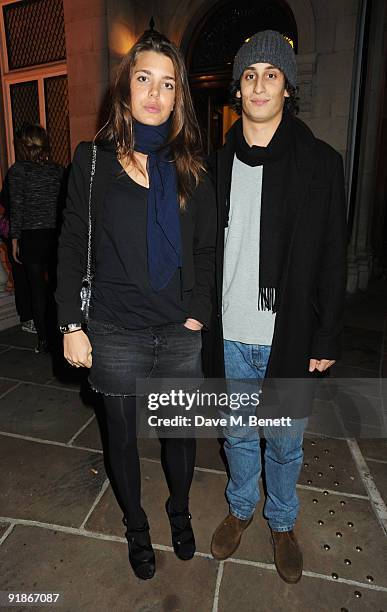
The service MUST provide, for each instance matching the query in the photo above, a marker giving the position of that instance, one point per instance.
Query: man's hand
(193, 324)
(77, 349)
(320, 364)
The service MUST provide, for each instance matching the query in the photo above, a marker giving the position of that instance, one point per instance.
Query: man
(280, 280)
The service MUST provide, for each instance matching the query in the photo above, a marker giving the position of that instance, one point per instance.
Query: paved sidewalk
(61, 530)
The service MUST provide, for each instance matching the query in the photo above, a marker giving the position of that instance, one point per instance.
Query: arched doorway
(210, 52)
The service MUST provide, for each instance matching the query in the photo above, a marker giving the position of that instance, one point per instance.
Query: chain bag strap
(86, 280)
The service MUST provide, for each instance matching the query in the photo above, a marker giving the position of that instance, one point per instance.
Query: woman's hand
(77, 349)
(15, 250)
(193, 324)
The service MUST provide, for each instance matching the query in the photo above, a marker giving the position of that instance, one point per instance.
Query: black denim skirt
(120, 355)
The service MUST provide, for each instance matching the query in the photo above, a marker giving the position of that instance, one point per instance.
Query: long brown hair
(184, 139)
(32, 143)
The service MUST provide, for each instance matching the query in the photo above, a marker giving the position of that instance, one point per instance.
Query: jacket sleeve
(16, 184)
(204, 252)
(331, 284)
(72, 249)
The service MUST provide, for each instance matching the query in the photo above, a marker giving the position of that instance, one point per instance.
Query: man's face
(262, 92)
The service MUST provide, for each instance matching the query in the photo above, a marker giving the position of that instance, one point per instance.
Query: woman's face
(152, 88)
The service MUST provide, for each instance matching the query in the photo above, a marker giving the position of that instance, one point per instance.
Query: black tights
(35, 273)
(178, 460)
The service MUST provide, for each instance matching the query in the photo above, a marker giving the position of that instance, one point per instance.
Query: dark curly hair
(290, 106)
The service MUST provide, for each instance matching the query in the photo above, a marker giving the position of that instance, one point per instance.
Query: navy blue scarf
(163, 225)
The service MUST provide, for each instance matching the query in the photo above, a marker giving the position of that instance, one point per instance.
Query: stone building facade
(341, 59)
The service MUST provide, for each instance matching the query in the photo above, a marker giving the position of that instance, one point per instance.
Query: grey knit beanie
(268, 47)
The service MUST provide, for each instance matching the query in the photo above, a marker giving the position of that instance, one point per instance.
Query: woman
(34, 189)
(153, 238)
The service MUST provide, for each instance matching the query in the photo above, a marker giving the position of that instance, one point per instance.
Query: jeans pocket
(191, 331)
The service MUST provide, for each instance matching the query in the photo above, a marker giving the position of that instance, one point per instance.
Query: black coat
(309, 321)
(198, 233)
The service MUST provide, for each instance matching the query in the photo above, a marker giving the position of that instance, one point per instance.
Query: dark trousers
(22, 289)
(36, 275)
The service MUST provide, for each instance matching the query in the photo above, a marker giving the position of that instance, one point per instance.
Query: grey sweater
(242, 321)
(34, 190)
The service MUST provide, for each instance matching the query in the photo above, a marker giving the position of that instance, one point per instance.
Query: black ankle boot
(183, 538)
(141, 553)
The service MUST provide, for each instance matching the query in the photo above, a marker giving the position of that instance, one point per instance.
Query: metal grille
(25, 104)
(225, 29)
(57, 118)
(34, 32)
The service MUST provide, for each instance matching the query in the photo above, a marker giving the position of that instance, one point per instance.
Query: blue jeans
(283, 453)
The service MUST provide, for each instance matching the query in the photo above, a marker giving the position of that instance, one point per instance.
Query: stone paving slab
(25, 365)
(358, 526)
(207, 505)
(48, 483)
(379, 474)
(94, 575)
(208, 451)
(66, 375)
(90, 437)
(3, 528)
(15, 336)
(374, 448)
(246, 588)
(319, 455)
(43, 412)
(5, 385)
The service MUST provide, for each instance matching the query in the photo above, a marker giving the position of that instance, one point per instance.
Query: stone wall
(87, 65)
(332, 83)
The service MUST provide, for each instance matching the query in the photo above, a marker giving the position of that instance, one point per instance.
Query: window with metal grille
(57, 118)
(25, 105)
(34, 31)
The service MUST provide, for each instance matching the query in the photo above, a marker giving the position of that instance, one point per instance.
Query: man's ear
(238, 94)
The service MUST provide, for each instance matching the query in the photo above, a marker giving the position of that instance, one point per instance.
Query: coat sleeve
(72, 249)
(326, 343)
(16, 184)
(204, 252)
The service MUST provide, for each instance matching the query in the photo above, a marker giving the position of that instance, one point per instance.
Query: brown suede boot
(227, 536)
(287, 556)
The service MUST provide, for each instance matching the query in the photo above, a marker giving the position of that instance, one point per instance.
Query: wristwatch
(70, 327)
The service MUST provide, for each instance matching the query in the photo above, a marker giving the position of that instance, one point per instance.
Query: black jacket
(310, 317)
(198, 230)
